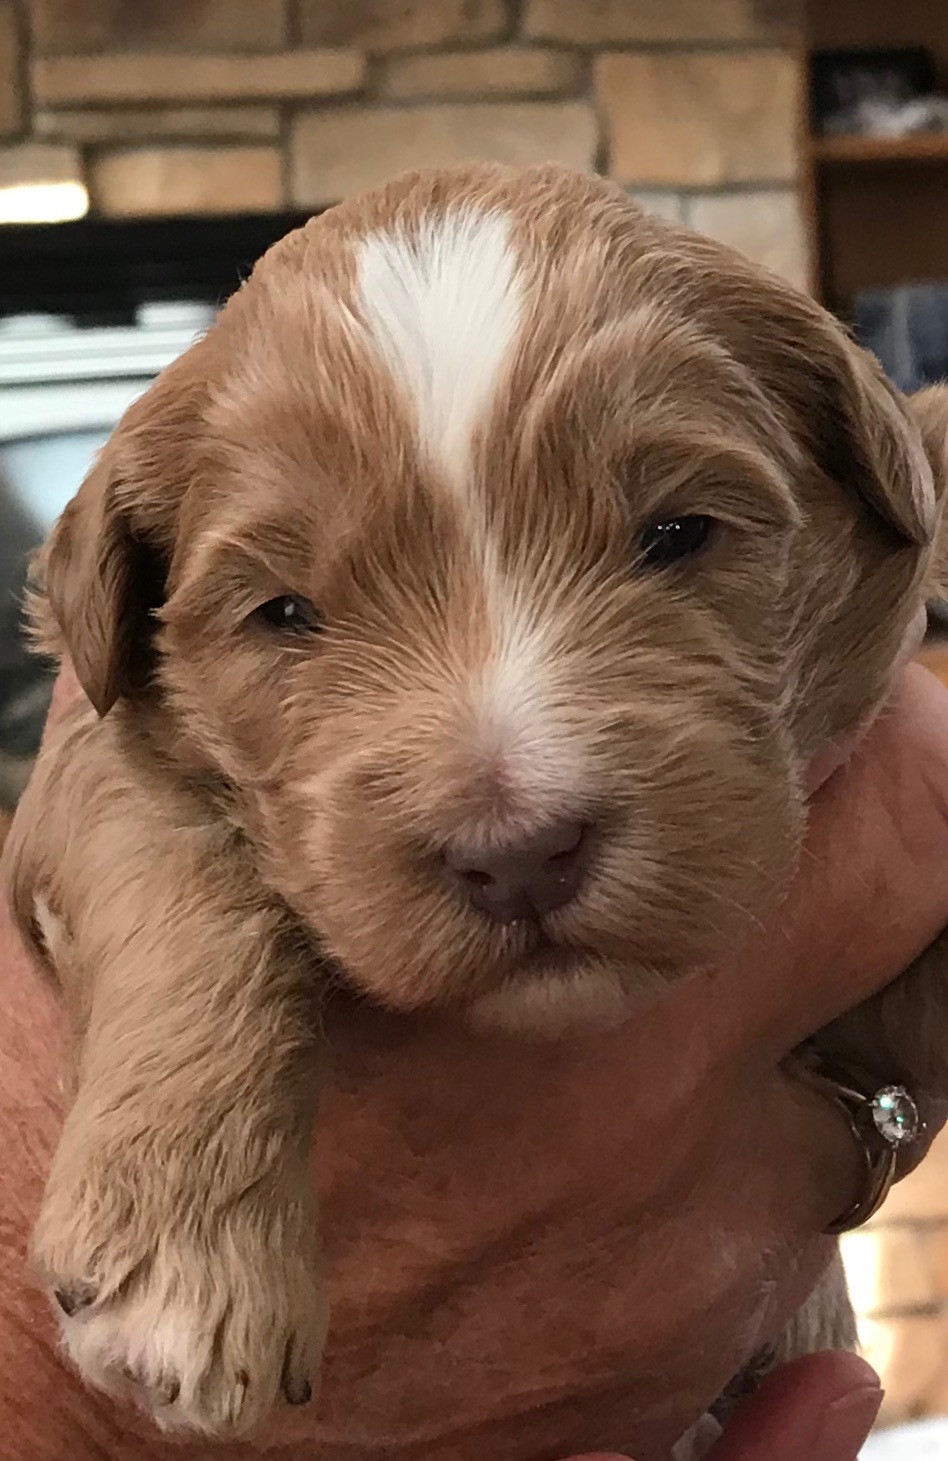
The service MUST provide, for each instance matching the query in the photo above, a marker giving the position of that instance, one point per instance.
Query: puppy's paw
(207, 1325)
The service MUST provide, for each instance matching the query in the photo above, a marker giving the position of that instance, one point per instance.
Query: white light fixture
(43, 202)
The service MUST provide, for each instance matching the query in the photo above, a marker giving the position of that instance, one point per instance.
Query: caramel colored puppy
(461, 619)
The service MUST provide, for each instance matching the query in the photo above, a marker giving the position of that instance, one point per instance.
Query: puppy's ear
(96, 580)
(870, 447)
(841, 407)
(930, 409)
(103, 571)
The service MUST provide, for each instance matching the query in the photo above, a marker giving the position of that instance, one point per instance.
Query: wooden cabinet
(877, 209)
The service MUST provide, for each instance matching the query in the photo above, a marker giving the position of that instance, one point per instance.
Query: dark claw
(77, 1296)
(166, 1392)
(299, 1394)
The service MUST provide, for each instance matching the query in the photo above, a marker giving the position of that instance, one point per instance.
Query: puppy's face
(513, 558)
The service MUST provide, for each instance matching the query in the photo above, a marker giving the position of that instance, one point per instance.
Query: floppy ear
(857, 425)
(852, 421)
(103, 571)
(99, 583)
(872, 447)
(930, 409)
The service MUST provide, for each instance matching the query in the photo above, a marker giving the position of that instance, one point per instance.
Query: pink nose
(527, 880)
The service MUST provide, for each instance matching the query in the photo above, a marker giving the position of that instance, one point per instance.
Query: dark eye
(291, 614)
(675, 538)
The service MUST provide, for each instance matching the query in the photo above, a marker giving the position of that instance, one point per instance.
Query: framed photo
(848, 89)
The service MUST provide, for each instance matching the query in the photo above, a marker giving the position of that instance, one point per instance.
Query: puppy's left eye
(675, 538)
(292, 614)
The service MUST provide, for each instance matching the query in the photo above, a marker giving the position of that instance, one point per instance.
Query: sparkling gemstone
(895, 1115)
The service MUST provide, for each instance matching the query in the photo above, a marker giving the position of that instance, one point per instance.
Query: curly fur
(239, 819)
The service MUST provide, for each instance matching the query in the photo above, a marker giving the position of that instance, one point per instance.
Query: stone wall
(205, 106)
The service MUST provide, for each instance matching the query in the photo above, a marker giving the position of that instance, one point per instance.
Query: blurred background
(150, 150)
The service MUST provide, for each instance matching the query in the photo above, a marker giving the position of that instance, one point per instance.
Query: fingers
(870, 893)
(819, 1408)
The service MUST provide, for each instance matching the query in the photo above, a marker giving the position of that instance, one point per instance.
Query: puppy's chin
(559, 995)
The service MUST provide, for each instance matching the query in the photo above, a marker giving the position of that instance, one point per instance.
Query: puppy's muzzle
(525, 880)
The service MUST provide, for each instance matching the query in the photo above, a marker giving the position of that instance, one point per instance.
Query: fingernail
(844, 1425)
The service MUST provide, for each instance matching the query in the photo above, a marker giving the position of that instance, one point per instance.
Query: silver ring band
(883, 1122)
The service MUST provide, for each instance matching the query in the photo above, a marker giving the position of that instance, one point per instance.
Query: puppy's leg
(178, 1230)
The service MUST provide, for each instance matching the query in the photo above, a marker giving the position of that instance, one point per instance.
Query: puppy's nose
(528, 879)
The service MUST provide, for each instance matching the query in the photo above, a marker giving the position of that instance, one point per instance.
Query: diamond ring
(883, 1123)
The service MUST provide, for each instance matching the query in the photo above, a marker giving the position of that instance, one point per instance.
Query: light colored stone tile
(699, 118)
(337, 152)
(910, 1354)
(41, 182)
(137, 182)
(670, 206)
(123, 124)
(38, 162)
(938, 1239)
(70, 26)
(764, 224)
(507, 69)
(618, 22)
(11, 100)
(924, 1195)
(890, 1269)
(382, 25)
(64, 81)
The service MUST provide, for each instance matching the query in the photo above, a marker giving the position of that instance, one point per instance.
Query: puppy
(459, 619)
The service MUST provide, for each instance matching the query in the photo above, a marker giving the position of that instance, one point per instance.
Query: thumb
(818, 1408)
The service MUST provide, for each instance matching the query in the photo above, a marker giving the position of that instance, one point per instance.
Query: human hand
(650, 1200)
(538, 1249)
(819, 1408)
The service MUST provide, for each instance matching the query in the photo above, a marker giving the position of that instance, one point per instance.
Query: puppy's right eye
(289, 613)
(672, 539)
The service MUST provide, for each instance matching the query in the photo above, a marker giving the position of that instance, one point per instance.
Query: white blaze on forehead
(442, 304)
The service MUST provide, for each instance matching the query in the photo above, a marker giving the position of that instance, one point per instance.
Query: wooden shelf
(919, 147)
(876, 208)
